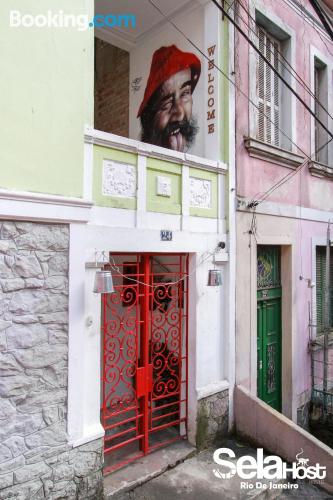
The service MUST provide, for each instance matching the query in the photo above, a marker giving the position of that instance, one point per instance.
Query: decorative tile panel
(200, 193)
(163, 187)
(119, 179)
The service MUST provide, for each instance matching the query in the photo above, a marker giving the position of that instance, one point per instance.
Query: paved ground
(194, 480)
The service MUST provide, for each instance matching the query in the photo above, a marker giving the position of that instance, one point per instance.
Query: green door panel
(269, 343)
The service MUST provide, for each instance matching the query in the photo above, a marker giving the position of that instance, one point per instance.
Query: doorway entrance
(145, 365)
(269, 338)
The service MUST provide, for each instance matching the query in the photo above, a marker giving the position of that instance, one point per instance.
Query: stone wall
(303, 416)
(303, 406)
(212, 419)
(36, 460)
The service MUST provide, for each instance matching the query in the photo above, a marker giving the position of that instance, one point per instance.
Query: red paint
(144, 378)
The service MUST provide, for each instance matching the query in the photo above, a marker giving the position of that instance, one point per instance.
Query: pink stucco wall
(287, 439)
(255, 176)
(307, 232)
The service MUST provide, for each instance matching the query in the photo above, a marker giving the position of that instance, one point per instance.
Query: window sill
(273, 154)
(320, 170)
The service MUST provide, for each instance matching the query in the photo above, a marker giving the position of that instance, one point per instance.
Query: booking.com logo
(62, 20)
(112, 20)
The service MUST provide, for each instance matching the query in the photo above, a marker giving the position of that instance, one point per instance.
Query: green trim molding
(211, 212)
(164, 204)
(100, 155)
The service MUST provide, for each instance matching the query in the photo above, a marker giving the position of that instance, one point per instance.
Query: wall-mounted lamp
(103, 279)
(103, 282)
(214, 277)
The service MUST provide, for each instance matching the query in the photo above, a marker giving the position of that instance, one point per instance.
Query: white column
(220, 204)
(92, 428)
(75, 333)
(84, 346)
(88, 169)
(185, 198)
(141, 191)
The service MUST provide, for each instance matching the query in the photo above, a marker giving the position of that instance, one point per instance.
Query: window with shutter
(321, 94)
(268, 89)
(320, 287)
(316, 92)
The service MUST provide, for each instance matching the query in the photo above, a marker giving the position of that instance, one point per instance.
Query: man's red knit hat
(166, 62)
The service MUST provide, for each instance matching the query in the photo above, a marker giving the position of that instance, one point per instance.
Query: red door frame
(144, 379)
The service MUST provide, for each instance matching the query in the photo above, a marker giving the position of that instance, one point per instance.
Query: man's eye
(186, 92)
(166, 105)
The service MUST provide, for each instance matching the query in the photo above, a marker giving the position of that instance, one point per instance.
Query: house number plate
(166, 235)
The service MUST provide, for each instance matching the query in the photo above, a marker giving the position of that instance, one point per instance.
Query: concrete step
(146, 468)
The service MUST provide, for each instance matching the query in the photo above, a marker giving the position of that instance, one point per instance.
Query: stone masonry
(212, 419)
(36, 460)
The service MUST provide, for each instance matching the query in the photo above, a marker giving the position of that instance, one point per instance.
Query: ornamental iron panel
(268, 266)
(145, 364)
(271, 368)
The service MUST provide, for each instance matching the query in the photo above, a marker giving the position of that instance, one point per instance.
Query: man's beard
(178, 135)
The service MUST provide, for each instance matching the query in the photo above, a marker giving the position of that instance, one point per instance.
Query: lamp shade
(214, 277)
(103, 282)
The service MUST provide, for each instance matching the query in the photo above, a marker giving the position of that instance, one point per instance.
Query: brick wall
(111, 88)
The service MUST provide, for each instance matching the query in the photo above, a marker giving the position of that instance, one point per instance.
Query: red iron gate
(145, 364)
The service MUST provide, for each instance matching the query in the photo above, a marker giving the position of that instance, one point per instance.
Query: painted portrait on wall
(166, 111)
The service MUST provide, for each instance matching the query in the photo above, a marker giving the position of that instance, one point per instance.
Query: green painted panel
(211, 212)
(164, 204)
(269, 352)
(269, 326)
(46, 99)
(320, 287)
(100, 154)
(164, 166)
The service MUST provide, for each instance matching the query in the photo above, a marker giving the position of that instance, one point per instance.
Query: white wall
(140, 60)
(207, 333)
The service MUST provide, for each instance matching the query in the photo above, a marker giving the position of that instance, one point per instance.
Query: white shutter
(268, 89)
(316, 92)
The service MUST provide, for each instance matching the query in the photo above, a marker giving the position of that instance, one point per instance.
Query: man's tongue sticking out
(177, 142)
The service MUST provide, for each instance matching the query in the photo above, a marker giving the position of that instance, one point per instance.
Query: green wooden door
(269, 326)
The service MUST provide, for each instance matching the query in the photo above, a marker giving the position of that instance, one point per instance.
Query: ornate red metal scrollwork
(144, 379)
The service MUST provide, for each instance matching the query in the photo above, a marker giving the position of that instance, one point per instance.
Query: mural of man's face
(174, 108)
(170, 124)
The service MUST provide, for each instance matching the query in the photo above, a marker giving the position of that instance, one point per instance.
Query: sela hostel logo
(269, 468)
